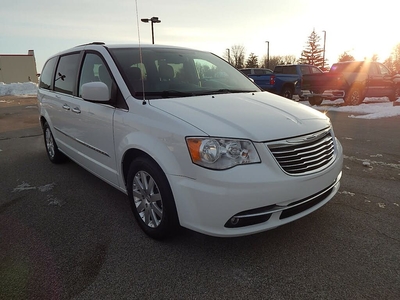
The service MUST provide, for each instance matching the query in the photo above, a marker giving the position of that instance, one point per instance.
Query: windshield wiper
(165, 94)
(226, 91)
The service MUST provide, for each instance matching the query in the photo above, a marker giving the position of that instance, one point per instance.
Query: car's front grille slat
(305, 154)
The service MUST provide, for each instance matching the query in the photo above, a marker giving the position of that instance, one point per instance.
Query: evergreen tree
(252, 61)
(346, 57)
(313, 53)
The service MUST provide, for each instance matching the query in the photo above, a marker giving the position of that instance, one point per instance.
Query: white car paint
(97, 136)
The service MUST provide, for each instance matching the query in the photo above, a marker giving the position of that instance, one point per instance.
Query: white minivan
(191, 140)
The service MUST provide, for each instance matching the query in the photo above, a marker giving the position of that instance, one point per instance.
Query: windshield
(169, 72)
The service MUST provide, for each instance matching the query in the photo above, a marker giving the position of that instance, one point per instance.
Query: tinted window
(66, 73)
(94, 69)
(47, 74)
(315, 70)
(383, 69)
(289, 70)
(304, 69)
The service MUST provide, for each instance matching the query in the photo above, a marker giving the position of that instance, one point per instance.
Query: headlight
(220, 153)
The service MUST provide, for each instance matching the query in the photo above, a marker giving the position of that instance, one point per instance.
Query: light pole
(267, 54)
(152, 20)
(229, 55)
(323, 58)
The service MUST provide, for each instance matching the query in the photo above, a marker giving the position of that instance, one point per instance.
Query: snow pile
(371, 108)
(26, 88)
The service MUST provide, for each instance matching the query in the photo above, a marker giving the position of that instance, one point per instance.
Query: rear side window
(66, 73)
(289, 70)
(47, 74)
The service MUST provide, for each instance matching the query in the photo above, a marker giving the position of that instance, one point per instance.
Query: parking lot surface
(65, 234)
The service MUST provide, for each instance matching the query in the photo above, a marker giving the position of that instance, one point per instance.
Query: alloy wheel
(50, 143)
(147, 199)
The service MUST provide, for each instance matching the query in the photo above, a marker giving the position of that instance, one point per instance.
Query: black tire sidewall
(287, 92)
(169, 222)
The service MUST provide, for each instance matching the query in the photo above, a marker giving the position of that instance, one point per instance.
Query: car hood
(259, 116)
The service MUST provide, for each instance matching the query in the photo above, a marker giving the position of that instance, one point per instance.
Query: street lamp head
(155, 20)
(145, 20)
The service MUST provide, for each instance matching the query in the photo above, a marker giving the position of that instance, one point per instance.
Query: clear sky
(47, 26)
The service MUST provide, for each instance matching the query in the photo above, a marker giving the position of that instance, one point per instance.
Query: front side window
(165, 73)
(383, 69)
(47, 74)
(66, 73)
(94, 69)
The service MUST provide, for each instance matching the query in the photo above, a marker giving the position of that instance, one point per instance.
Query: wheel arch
(288, 85)
(153, 149)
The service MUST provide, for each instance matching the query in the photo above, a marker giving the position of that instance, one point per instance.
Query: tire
(396, 94)
(53, 153)
(354, 96)
(151, 199)
(315, 100)
(287, 92)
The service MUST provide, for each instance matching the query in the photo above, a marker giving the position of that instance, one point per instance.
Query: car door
(379, 81)
(94, 133)
(88, 127)
(58, 102)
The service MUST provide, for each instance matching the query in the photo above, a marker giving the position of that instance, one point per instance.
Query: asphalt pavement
(65, 234)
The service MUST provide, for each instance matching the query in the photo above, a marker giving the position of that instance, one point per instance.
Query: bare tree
(279, 60)
(393, 61)
(237, 53)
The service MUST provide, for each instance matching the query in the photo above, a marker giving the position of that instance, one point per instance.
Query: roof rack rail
(92, 43)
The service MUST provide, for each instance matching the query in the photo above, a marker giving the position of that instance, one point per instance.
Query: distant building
(18, 68)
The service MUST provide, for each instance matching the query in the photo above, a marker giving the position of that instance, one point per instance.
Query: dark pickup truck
(352, 81)
(285, 80)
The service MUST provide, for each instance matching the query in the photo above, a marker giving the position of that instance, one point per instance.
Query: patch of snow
(371, 108)
(24, 187)
(47, 187)
(12, 89)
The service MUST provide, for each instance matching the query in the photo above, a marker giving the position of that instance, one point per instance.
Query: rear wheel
(53, 153)
(287, 92)
(354, 96)
(151, 198)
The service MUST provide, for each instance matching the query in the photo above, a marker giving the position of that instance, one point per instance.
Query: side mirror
(95, 91)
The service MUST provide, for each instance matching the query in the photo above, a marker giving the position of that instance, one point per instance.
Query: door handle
(76, 110)
(65, 106)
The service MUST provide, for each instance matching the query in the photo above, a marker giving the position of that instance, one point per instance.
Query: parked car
(286, 80)
(353, 81)
(191, 140)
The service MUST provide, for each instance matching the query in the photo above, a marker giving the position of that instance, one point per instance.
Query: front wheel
(151, 198)
(354, 96)
(315, 100)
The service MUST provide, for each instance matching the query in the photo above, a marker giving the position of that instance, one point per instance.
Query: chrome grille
(305, 154)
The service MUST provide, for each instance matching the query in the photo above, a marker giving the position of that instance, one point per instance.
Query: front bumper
(261, 191)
